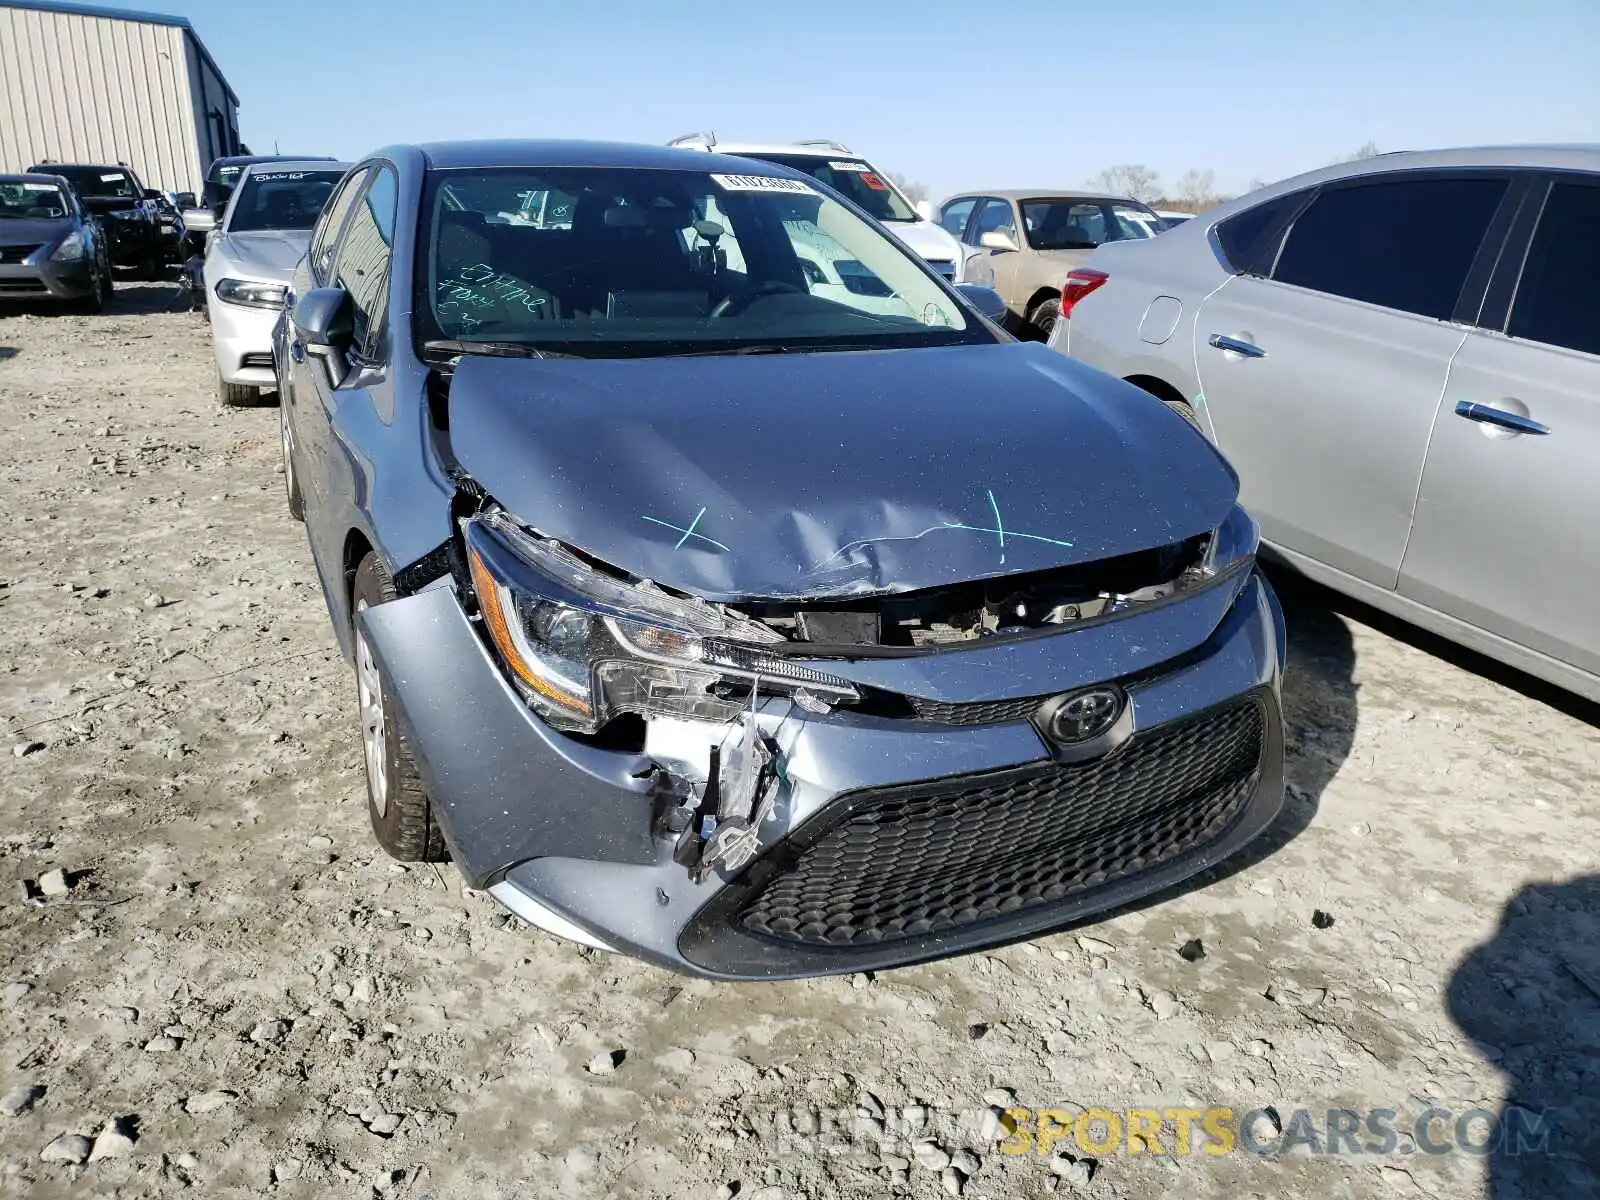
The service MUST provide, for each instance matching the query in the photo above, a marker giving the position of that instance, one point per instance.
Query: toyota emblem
(1080, 717)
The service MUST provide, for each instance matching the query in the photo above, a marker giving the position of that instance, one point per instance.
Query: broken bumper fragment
(879, 836)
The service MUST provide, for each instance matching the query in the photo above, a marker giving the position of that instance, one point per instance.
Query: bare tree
(1131, 179)
(1197, 189)
(915, 192)
(1367, 150)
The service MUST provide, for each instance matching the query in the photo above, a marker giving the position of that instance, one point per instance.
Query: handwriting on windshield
(478, 287)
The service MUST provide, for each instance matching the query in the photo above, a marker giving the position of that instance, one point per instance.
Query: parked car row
(726, 586)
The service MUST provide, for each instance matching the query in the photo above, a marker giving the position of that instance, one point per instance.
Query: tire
(397, 804)
(1184, 411)
(237, 395)
(1043, 318)
(95, 301)
(291, 481)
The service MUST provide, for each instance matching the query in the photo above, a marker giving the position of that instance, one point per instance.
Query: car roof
(33, 177)
(230, 160)
(1554, 156)
(1044, 194)
(290, 164)
(562, 153)
(83, 166)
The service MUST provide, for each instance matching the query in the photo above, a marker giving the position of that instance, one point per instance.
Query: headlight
(252, 293)
(582, 646)
(71, 248)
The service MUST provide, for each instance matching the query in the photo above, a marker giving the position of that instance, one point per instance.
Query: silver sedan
(1401, 358)
(250, 257)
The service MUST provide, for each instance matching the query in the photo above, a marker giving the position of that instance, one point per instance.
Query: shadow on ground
(1530, 999)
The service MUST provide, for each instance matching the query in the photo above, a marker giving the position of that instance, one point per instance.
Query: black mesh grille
(15, 254)
(923, 858)
(976, 712)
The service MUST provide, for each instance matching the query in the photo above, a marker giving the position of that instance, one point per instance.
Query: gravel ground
(214, 984)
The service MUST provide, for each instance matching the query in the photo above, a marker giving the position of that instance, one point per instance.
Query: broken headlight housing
(582, 646)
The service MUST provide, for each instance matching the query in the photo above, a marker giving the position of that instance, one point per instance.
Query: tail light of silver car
(583, 646)
(1080, 282)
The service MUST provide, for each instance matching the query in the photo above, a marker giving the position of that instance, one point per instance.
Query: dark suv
(128, 211)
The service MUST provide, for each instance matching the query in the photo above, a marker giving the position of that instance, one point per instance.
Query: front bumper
(43, 280)
(241, 336)
(1005, 843)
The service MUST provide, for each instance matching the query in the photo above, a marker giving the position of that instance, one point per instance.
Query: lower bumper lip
(560, 830)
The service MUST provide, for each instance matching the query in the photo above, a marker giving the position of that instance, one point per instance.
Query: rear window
(855, 178)
(1405, 244)
(1249, 238)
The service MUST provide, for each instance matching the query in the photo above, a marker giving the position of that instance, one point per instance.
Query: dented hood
(837, 474)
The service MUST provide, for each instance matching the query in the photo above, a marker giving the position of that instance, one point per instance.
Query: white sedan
(250, 257)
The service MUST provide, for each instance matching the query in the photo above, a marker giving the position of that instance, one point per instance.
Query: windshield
(590, 260)
(98, 181)
(35, 201)
(281, 200)
(850, 177)
(1084, 224)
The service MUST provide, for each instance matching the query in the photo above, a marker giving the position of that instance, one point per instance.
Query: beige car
(1022, 243)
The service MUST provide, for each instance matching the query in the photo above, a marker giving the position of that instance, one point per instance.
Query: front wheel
(99, 289)
(1043, 318)
(402, 817)
(237, 395)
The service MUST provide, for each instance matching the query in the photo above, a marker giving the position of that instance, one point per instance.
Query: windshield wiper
(452, 347)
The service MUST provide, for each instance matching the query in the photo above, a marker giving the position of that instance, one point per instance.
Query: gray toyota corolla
(724, 589)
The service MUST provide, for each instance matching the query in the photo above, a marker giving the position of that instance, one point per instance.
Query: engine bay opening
(966, 612)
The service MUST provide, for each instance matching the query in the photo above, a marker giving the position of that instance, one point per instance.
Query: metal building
(85, 84)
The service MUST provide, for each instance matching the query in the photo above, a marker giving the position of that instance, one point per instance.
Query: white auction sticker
(761, 183)
(848, 166)
(38, 187)
(114, 177)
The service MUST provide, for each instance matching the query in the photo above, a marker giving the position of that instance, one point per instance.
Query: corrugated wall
(94, 89)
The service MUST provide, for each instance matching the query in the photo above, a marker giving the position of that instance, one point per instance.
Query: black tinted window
(1402, 243)
(994, 217)
(363, 266)
(1248, 238)
(1558, 300)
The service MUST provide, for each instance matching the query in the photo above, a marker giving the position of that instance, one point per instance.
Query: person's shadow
(1530, 999)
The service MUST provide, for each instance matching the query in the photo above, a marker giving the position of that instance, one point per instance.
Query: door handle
(1234, 346)
(1489, 415)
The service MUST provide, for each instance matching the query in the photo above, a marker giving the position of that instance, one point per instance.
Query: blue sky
(954, 93)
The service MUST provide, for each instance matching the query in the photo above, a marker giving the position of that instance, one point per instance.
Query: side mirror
(184, 200)
(995, 240)
(152, 194)
(324, 323)
(925, 210)
(199, 220)
(985, 299)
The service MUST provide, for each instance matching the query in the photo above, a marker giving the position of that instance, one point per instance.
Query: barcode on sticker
(760, 183)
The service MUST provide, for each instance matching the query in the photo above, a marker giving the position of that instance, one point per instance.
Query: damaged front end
(622, 662)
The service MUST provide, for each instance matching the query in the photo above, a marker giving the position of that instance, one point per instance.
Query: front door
(1322, 375)
(1507, 532)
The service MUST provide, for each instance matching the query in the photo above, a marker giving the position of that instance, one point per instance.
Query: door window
(955, 214)
(1558, 300)
(994, 217)
(1401, 243)
(326, 238)
(362, 267)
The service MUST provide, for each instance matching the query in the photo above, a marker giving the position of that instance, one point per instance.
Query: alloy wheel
(374, 732)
